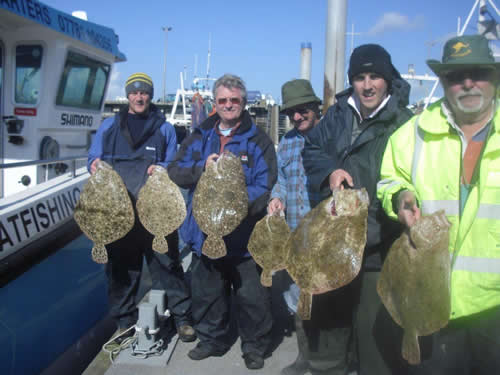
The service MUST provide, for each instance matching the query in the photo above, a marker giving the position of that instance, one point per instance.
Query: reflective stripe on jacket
(425, 156)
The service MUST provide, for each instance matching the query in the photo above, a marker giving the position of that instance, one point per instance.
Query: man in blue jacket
(231, 129)
(133, 142)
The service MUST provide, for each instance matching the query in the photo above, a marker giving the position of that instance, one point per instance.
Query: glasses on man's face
(290, 112)
(234, 100)
(473, 74)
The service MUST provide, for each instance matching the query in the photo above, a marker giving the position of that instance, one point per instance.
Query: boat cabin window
(28, 74)
(83, 82)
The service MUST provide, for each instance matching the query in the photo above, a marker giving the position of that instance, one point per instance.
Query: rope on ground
(114, 347)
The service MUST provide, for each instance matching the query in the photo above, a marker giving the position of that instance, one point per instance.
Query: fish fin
(411, 349)
(304, 306)
(160, 244)
(266, 279)
(214, 247)
(99, 254)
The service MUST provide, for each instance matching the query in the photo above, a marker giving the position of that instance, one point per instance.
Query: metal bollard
(147, 327)
(157, 297)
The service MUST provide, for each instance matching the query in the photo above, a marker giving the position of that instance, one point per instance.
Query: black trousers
(467, 346)
(124, 273)
(325, 340)
(373, 359)
(213, 282)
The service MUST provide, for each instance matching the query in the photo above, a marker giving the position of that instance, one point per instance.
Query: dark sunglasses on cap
(477, 74)
(233, 100)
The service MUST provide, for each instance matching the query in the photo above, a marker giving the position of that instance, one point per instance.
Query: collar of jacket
(154, 120)
(245, 126)
(386, 116)
(435, 120)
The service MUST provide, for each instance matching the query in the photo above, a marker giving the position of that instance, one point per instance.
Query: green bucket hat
(297, 92)
(463, 52)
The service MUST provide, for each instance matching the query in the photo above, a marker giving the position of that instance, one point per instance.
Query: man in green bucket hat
(448, 158)
(291, 194)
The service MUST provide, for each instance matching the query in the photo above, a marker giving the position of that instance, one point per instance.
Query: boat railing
(71, 159)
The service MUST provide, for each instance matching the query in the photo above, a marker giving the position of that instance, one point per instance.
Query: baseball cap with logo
(462, 52)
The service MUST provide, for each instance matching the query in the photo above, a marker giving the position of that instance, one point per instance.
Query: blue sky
(260, 40)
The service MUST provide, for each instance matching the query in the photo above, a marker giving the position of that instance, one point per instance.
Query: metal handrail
(72, 159)
(42, 161)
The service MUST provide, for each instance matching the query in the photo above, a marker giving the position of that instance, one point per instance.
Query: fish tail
(305, 305)
(214, 247)
(160, 244)
(99, 254)
(410, 348)
(266, 279)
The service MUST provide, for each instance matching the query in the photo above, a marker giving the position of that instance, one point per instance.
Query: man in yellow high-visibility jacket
(449, 158)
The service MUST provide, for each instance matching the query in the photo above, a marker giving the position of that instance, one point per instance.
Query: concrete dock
(176, 362)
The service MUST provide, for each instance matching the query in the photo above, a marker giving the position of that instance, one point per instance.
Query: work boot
(301, 364)
(186, 333)
(202, 351)
(253, 361)
(299, 367)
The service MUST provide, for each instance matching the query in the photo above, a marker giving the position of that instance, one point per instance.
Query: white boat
(54, 73)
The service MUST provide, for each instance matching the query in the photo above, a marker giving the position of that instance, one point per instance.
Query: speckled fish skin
(220, 202)
(104, 211)
(414, 284)
(160, 207)
(267, 245)
(326, 249)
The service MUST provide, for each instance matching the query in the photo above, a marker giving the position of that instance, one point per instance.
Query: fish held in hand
(220, 202)
(326, 249)
(267, 245)
(414, 284)
(160, 207)
(104, 211)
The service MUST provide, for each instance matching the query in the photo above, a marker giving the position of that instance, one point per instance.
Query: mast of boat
(208, 57)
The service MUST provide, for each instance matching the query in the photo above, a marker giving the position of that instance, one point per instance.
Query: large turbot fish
(267, 245)
(326, 249)
(415, 281)
(220, 202)
(104, 211)
(160, 207)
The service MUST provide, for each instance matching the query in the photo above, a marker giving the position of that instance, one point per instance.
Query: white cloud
(395, 21)
(116, 86)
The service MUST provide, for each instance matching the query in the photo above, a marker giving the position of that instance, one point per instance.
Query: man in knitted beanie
(135, 141)
(345, 150)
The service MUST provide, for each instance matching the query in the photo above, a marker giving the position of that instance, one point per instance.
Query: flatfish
(220, 202)
(414, 284)
(326, 249)
(267, 245)
(104, 211)
(160, 207)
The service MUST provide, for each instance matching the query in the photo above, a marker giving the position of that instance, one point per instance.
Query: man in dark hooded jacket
(133, 142)
(345, 150)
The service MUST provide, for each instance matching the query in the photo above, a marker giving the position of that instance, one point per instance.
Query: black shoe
(299, 367)
(202, 351)
(186, 333)
(253, 361)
